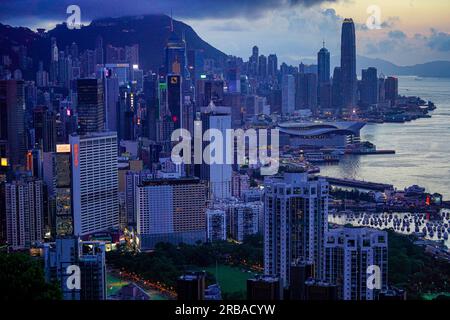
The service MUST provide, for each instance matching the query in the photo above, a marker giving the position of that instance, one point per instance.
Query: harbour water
(403, 223)
(422, 146)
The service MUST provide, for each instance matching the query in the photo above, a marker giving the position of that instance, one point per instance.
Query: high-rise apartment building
(216, 227)
(296, 219)
(351, 256)
(24, 212)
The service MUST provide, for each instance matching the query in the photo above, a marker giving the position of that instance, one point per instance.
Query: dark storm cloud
(196, 9)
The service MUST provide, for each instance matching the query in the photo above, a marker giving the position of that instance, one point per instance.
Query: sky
(409, 31)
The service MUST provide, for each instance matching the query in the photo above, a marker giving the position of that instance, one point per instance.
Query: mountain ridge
(151, 32)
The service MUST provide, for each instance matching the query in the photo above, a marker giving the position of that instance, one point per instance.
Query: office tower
(57, 177)
(24, 212)
(99, 54)
(94, 182)
(264, 288)
(216, 227)
(62, 193)
(44, 123)
(175, 55)
(217, 175)
(288, 95)
(54, 55)
(253, 62)
(243, 219)
(296, 219)
(306, 91)
(262, 66)
(336, 91)
(348, 254)
(381, 89)
(369, 87)
(90, 106)
(41, 76)
(174, 100)
(300, 272)
(12, 122)
(171, 210)
(191, 286)
(88, 256)
(391, 89)
(111, 96)
(348, 63)
(240, 184)
(323, 65)
(34, 163)
(195, 58)
(210, 90)
(233, 77)
(121, 71)
(126, 112)
(272, 65)
(320, 291)
(324, 84)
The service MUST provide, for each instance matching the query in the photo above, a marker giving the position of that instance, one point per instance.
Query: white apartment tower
(295, 222)
(24, 212)
(348, 254)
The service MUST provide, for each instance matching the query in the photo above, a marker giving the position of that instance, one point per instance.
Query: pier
(359, 184)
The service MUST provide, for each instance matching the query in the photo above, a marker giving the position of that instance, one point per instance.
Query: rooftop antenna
(323, 43)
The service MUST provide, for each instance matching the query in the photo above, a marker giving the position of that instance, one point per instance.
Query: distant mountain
(149, 31)
(438, 69)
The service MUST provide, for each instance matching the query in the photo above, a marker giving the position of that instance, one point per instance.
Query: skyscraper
(323, 65)
(174, 99)
(324, 85)
(90, 105)
(348, 64)
(12, 122)
(295, 219)
(175, 55)
(272, 65)
(217, 175)
(369, 87)
(288, 94)
(94, 182)
(391, 89)
(349, 252)
(111, 96)
(336, 90)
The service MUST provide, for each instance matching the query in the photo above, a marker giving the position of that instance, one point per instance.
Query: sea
(422, 146)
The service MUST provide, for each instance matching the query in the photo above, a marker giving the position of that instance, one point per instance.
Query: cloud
(397, 34)
(198, 9)
(439, 41)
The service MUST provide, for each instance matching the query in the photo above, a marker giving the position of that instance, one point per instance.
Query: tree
(22, 278)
